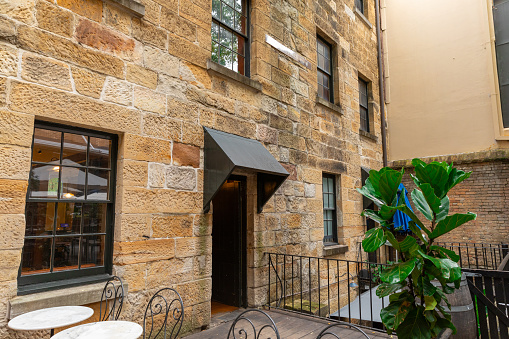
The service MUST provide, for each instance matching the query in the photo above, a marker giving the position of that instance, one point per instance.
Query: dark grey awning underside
(226, 152)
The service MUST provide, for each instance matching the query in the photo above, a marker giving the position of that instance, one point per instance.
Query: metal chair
(112, 299)
(166, 305)
(326, 331)
(267, 325)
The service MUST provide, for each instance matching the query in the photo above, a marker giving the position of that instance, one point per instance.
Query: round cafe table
(50, 318)
(102, 330)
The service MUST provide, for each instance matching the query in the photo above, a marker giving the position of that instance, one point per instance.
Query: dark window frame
(65, 278)
(365, 120)
(245, 36)
(330, 238)
(320, 70)
(359, 4)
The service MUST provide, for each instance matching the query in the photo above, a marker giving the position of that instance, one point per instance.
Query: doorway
(229, 268)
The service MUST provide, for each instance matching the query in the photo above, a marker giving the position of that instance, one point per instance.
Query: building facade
(111, 113)
(446, 100)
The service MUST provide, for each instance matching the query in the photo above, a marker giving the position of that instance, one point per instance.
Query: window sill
(329, 105)
(368, 135)
(131, 6)
(329, 250)
(217, 68)
(363, 18)
(73, 296)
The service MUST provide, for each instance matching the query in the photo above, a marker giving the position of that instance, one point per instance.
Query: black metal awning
(226, 152)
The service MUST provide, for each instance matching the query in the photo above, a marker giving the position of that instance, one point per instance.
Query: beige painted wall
(441, 87)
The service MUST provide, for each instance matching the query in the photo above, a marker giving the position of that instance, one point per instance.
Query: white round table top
(49, 318)
(102, 330)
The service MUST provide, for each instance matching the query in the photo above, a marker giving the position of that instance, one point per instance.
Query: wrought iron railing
(478, 255)
(333, 289)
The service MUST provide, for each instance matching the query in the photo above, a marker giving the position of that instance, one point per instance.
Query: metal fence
(326, 288)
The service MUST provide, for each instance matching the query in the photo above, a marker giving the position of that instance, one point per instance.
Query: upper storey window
(363, 105)
(230, 34)
(360, 5)
(324, 69)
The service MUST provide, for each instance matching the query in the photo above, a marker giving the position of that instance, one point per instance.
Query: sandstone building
(447, 100)
(115, 122)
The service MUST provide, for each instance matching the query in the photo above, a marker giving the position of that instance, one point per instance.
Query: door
(229, 243)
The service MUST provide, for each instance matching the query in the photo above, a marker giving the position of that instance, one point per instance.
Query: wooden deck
(290, 326)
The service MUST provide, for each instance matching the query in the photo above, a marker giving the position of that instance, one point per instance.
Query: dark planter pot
(462, 311)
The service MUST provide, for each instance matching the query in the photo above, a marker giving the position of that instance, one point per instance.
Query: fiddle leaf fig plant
(414, 310)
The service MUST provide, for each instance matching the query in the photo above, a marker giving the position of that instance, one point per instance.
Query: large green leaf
(427, 287)
(415, 219)
(435, 175)
(394, 314)
(388, 185)
(375, 238)
(370, 194)
(417, 231)
(430, 302)
(450, 223)
(399, 272)
(421, 204)
(392, 240)
(443, 210)
(387, 212)
(456, 176)
(414, 326)
(407, 244)
(384, 289)
(449, 269)
(373, 215)
(444, 251)
(430, 196)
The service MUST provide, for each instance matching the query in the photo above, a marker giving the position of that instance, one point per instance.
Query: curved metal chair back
(112, 299)
(326, 331)
(165, 306)
(246, 326)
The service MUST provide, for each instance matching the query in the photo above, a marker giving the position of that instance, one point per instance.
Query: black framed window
(69, 206)
(324, 69)
(230, 24)
(360, 5)
(329, 209)
(363, 105)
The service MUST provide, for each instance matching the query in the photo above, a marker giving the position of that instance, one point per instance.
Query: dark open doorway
(229, 268)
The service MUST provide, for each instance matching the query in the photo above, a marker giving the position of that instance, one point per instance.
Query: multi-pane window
(230, 34)
(363, 105)
(329, 209)
(69, 208)
(324, 69)
(360, 5)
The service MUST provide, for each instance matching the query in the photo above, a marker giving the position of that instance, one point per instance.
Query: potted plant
(415, 309)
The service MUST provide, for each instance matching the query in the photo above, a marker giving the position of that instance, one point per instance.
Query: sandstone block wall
(92, 64)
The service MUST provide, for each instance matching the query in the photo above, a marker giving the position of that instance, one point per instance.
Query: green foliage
(414, 310)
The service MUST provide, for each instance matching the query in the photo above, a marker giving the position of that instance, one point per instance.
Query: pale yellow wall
(441, 87)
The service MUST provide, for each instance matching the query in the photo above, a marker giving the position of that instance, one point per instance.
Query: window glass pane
(215, 32)
(99, 152)
(238, 5)
(73, 183)
(46, 146)
(92, 251)
(240, 23)
(39, 218)
(331, 201)
(66, 253)
(225, 57)
(235, 62)
(215, 51)
(75, 150)
(69, 218)
(36, 256)
(98, 184)
(326, 94)
(228, 15)
(331, 185)
(235, 43)
(44, 181)
(229, 2)
(225, 37)
(216, 9)
(94, 218)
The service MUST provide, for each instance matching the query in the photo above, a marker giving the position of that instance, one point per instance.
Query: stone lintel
(462, 158)
(73, 296)
(132, 6)
(217, 68)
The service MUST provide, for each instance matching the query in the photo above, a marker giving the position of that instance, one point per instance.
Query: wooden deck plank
(290, 326)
